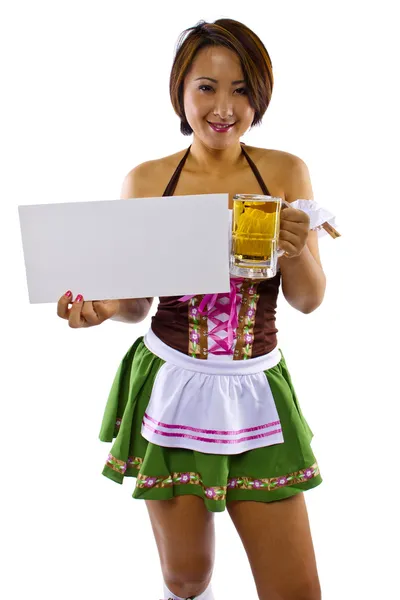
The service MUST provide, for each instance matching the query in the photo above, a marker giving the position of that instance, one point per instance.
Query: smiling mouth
(220, 126)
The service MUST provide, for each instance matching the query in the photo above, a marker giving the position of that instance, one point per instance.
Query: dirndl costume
(204, 404)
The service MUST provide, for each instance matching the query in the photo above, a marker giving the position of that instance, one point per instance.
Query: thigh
(278, 543)
(185, 537)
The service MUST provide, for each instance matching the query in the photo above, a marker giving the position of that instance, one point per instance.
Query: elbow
(314, 300)
(305, 306)
(306, 310)
(311, 305)
(308, 298)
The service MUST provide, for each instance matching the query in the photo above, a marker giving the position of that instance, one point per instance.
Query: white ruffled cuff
(319, 217)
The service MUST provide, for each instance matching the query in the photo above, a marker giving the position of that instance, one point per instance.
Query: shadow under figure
(202, 411)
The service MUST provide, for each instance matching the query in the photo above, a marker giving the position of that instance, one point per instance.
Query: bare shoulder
(290, 171)
(278, 158)
(150, 178)
(295, 176)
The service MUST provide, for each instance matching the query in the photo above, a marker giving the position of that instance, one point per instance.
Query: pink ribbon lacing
(216, 309)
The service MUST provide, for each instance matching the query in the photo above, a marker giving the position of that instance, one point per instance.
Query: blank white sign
(134, 248)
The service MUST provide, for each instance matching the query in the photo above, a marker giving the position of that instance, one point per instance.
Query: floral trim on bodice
(198, 330)
(247, 319)
(211, 492)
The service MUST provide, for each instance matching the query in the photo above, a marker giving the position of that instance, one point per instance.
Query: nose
(223, 106)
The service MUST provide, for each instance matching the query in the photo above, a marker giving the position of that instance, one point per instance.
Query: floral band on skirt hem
(212, 492)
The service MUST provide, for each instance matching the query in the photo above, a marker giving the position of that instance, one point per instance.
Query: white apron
(213, 406)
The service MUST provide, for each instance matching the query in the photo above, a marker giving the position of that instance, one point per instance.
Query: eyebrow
(215, 80)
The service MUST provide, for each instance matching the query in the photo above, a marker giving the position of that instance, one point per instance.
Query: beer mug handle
(282, 252)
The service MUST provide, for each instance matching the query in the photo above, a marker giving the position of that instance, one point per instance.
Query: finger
(289, 243)
(295, 215)
(105, 309)
(63, 305)
(289, 236)
(89, 314)
(289, 250)
(299, 229)
(75, 315)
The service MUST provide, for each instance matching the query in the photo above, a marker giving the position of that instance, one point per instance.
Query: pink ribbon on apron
(215, 309)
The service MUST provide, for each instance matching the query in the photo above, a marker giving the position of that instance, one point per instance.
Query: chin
(220, 141)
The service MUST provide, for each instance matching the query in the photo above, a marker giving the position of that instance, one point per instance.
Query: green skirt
(263, 474)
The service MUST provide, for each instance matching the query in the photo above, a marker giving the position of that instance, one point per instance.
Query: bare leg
(277, 540)
(185, 537)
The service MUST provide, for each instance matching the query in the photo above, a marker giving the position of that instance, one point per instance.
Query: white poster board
(134, 248)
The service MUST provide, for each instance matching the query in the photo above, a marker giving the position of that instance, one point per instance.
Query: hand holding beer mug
(264, 228)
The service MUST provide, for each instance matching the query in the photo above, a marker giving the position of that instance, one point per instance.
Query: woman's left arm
(303, 279)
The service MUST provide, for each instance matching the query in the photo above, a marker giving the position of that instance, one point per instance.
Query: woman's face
(216, 103)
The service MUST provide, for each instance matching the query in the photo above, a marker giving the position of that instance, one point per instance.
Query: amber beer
(255, 236)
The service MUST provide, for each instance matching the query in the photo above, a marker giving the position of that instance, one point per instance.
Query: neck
(214, 161)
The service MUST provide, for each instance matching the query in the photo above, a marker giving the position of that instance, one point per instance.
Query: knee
(189, 577)
(189, 589)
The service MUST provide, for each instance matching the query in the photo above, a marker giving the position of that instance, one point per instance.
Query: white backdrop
(85, 99)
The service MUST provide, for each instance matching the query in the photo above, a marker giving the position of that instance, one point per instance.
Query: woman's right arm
(133, 310)
(135, 185)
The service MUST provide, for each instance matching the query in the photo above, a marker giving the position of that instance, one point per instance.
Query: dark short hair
(253, 55)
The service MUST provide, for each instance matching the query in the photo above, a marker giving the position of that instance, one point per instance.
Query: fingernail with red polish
(68, 294)
(79, 298)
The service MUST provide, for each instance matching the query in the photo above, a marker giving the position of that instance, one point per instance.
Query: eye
(205, 88)
(241, 91)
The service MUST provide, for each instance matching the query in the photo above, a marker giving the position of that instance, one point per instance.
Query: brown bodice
(181, 326)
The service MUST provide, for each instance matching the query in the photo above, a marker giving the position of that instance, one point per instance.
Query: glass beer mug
(255, 236)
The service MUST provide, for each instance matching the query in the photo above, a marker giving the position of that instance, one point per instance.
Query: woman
(221, 85)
